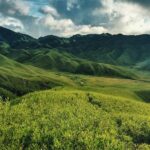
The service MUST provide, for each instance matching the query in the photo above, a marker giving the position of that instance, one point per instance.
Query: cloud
(68, 17)
(12, 23)
(73, 4)
(124, 17)
(145, 3)
(15, 15)
(9, 7)
(66, 27)
(79, 11)
(49, 10)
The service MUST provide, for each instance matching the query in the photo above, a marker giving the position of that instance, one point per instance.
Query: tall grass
(60, 119)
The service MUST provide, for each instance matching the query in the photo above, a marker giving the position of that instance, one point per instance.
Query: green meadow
(84, 112)
(78, 93)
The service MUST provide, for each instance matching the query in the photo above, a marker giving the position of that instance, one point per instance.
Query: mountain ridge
(122, 50)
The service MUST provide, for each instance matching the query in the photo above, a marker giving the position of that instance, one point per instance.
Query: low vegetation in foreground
(114, 117)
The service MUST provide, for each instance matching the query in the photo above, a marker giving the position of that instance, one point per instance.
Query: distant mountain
(17, 40)
(131, 51)
(114, 49)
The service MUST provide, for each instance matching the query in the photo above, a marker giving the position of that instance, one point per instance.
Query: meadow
(87, 113)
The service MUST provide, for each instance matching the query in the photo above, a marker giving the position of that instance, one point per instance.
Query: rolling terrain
(83, 92)
(131, 51)
(19, 79)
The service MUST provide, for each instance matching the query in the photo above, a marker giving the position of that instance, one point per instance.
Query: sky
(69, 17)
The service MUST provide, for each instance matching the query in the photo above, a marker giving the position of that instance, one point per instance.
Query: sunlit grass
(61, 119)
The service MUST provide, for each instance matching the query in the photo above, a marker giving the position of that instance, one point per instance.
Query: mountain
(113, 49)
(17, 40)
(124, 50)
(27, 50)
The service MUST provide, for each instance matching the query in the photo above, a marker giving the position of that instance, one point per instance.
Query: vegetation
(106, 48)
(90, 113)
(130, 51)
(64, 62)
(52, 98)
(20, 79)
(61, 119)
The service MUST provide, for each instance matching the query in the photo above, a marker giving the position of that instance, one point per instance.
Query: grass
(52, 59)
(77, 112)
(75, 119)
(20, 79)
(27, 78)
(84, 112)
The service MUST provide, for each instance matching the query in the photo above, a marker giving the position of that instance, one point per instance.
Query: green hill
(145, 65)
(65, 62)
(114, 49)
(74, 120)
(19, 79)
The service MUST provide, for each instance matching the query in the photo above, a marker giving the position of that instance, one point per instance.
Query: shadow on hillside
(144, 95)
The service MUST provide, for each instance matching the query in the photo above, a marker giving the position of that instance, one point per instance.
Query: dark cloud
(15, 15)
(145, 3)
(80, 11)
(11, 8)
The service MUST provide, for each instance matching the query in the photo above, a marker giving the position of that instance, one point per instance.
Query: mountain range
(123, 50)
(99, 55)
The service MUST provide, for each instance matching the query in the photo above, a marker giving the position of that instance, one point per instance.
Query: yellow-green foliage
(74, 119)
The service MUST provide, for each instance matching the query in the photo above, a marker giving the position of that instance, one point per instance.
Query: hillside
(74, 120)
(53, 59)
(114, 49)
(17, 79)
(17, 40)
(124, 50)
(65, 62)
(27, 78)
(83, 93)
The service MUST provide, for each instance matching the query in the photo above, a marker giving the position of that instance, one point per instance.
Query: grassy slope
(61, 61)
(20, 79)
(80, 112)
(85, 112)
(112, 86)
(145, 65)
(74, 119)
